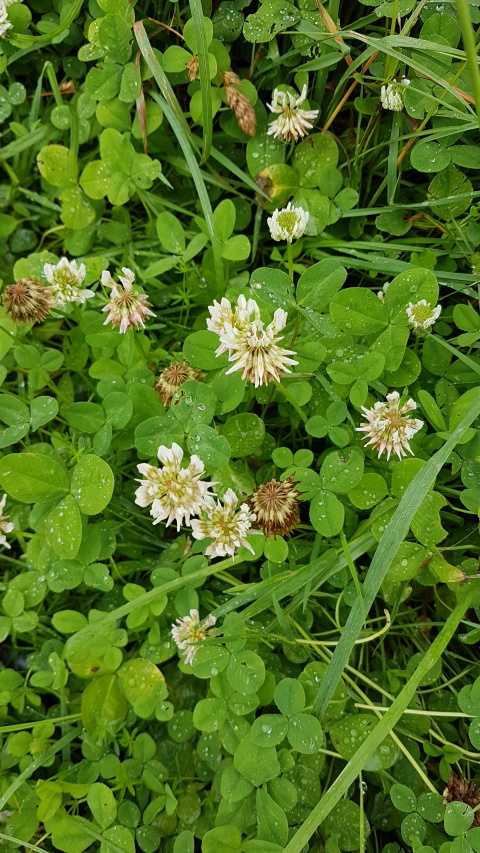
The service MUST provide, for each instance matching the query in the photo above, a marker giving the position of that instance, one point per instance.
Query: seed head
(192, 68)
(28, 300)
(276, 507)
(239, 103)
(173, 377)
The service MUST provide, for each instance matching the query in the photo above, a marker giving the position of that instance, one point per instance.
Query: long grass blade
(389, 544)
(382, 729)
(204, 74)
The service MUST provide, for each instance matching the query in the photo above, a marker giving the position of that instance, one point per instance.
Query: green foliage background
(342, 687)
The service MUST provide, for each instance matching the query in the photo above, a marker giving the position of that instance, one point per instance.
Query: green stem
(381, 730)
(290, 260)
(291, 400)
(468, 38)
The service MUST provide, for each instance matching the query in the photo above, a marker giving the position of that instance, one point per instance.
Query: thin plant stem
(468, 38)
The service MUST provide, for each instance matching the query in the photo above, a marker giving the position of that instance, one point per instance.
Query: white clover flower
(5, 526)
(381, 293)
(173, 493)
(226, 525)
(392, 95)
(390, 428)
(66, 279)
(292, 122)
(421, 315)
(127, 307)
(256, 352)
(223, 315)
(188, 632)
(5, 24)
(289, 223)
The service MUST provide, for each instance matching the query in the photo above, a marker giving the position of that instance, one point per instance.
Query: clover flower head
(421, 316)
(5, 526)
(392, 95)
(289, 223)
(389, 428)
(127, 307)
(27, 300)
(276, 506)
(66, 279)
(225, 320)
(226, 525)
(188, 632)
(256, 353)
(292, 122)
(173, 493)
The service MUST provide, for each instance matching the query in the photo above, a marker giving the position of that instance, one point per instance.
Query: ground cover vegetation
(240, 426)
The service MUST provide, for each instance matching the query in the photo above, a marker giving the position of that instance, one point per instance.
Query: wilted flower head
(392, 95)
(27, 301)
(5, 526)
(255, 350)
(127, 307)
(226, 525)
(292, 122)
(390, 428)
(239, 103)
(188, 632)
(173, 493)
(173, 377)
(276, 506)
(421, 315)
(66, 279)
(289, 223)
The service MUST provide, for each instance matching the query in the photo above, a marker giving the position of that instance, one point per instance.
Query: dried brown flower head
(275, 505)
(27, 301)
(173, 377)
(460, 791)
(192, 68)
(241, 106)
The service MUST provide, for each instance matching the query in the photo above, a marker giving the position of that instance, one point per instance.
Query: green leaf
(101, 803)
(77, 212)
(269, 729)
(273, 287)
(58, 165)
(104, 706)
(152, 433)
(222, 839)
(92, 484)
(86, 417)
(170, 233)
(212, 448)
(143, 684)
(31, 477)
(117, 838)
(209, 714)
(343, 826)
(69, 834)
(237, 248)
(199, 349)
(305, 734)
(410, 286)
(12, 411)
(272, 823)
(114, 36)
(118, 409)
(327, 514)
(244, 434)
(342, 470)
(318, 285)
(246, 672)
(289, 696)
(194, 404)
(358, 311)
(63, 528)
(429, 157)
(371, 489)
(458, 818)
(403, 798)
(352, 730)
(258, 764)
(224, 217)
(42, 410)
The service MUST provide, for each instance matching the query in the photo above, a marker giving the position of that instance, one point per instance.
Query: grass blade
(389, 544)
(204, 74)
(382, 729)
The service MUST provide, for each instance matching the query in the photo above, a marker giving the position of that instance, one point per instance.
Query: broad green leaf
(103, 705)
(244, 434)
(101, 802)
(31, 477)
(289, 696)
(63, 528)
(319, 284)
(358, 311)
(114, 36)
(222, 839)
(257, 764)
(327, 514)
(92, 484)
(58, 165)
(272, 823)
